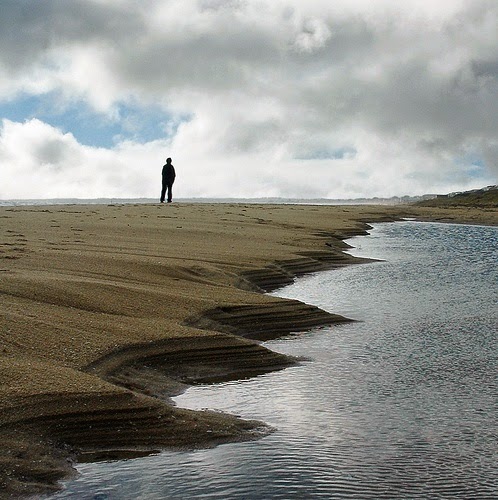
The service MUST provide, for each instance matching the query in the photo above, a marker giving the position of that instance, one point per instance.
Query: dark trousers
(167, 186)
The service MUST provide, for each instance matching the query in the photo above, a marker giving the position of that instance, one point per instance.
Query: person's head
(168, 160)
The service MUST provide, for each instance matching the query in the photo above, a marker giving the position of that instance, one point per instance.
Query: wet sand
(109, 310)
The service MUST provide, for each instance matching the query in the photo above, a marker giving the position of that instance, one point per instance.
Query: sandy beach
(107, 311)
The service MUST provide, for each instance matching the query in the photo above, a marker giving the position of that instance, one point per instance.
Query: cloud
(255, 98)
(40, 161)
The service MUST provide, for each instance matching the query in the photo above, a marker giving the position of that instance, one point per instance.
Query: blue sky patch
(473, 165)
(134, 122)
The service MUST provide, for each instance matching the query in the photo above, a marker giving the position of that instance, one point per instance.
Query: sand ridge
(107, 310)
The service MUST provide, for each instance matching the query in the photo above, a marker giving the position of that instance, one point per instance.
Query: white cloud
(39, 161)
(389, 97)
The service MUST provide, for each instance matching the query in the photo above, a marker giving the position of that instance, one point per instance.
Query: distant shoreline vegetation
(481, 198)
(394, 200)
(484, 197)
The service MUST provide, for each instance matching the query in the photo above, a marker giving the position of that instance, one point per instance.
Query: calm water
(402, 404)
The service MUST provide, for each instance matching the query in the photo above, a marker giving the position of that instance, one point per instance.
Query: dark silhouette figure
(168, 179)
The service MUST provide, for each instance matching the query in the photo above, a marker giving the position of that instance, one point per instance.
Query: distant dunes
(482, 198)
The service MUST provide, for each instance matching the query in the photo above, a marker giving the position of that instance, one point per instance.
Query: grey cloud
(326, 85)
(53, 153)
(485, 69)
(430, 86)
(255, 136)
(210, 62)
(29, 29)
(217, 5)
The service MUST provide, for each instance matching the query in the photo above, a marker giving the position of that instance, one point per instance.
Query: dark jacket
(169, 174)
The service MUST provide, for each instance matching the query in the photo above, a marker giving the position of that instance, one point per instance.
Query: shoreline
(108, 311)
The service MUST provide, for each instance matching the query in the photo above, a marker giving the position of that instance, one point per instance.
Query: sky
(250, 98)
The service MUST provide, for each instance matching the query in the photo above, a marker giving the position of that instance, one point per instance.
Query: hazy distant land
(482, 198)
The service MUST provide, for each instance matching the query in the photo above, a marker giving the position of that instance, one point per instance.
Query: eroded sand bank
(107, 311)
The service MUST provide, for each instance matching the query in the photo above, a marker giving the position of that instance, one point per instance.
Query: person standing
(168, 179)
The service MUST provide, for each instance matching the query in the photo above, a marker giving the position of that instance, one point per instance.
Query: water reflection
(400, 405)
